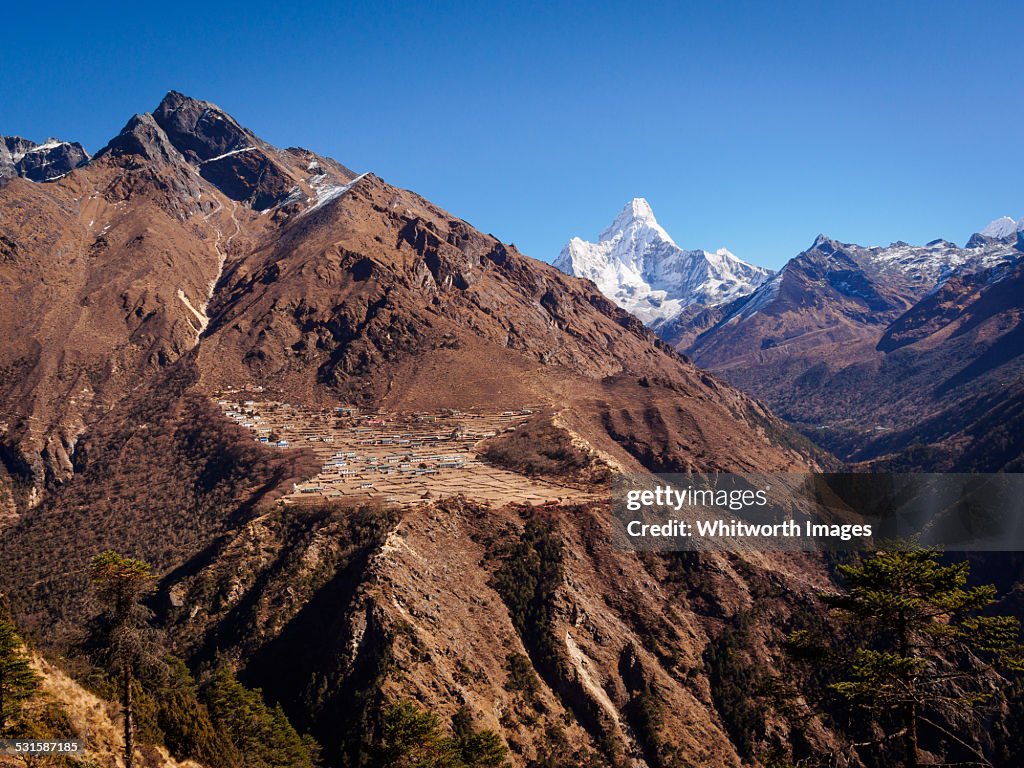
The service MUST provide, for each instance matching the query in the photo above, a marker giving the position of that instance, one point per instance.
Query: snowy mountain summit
(1003, 227)
(637, 264)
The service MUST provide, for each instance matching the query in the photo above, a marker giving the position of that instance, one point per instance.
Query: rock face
(239, 164)
(862, 347)
(142, 137)
(637, 265)
(39, 162)
(12, 151)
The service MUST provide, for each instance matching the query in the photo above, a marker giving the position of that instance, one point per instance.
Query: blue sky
(747, 125)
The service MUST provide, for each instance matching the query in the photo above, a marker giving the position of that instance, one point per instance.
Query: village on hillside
(391, 457)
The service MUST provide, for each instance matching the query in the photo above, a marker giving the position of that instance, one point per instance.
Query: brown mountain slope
(90, 720)
(336, 611)
(419, 608)
(963, 346)
(146, 281)
(91, 282)
(822, 305)
(107, 273)
(364, 292)
(380, 297)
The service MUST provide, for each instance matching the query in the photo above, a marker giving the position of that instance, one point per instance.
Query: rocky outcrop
(48, 161)
(144, 138)
(231, 157)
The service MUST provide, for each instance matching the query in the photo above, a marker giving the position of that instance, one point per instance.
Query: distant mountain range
(1002, 228)
(890, 355)
(636, 264)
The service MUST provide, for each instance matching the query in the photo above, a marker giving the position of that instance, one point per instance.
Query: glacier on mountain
(637, 264)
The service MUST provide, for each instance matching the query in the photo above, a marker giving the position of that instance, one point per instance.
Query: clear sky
(749, 125)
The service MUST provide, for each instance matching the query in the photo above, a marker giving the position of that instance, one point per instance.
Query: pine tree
(18, 681)
(924, 655)
(412, 738)
(188, 730)
(261, 734)
(478, 748)
(125, 633)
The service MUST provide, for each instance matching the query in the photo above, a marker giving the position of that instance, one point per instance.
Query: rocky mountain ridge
(856, 343)
(279, 268)
(48, 161)
(189, 258)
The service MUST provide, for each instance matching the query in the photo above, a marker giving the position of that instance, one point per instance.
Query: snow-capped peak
(637, 264)
(635, 219)
(1005, 226)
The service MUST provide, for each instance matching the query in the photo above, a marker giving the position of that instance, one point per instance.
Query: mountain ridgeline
(188, 241)
(190, 279)
(51, 160)
(903, 357)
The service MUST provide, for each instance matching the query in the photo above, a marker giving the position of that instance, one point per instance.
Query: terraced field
(396, 458)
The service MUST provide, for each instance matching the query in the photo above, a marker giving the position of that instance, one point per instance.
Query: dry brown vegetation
(539, 448)
(160, 480)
